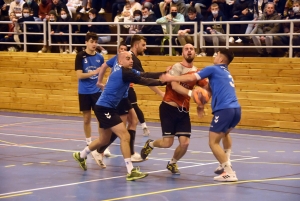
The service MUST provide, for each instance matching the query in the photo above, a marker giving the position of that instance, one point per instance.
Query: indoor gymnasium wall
(267, 88)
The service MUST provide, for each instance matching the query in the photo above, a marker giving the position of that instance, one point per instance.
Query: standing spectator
(267, 28)
(44, 9)
(16, 7)
(33, 7)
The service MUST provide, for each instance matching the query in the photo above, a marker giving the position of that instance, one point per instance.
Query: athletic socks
(88, 140)
(151, 144)
(144, 125)
(227, 167)
(129, 165)
(228, 152)
(85, 152)
(132, 139)
(173, 160)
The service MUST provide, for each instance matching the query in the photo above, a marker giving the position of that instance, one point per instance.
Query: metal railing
(170, 34)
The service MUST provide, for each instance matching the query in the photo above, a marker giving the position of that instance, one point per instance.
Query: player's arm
(134, 76)
(101, 74)
(154, 76)
(79, 72)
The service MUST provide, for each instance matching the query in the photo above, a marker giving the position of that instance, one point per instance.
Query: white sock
(144, 125)
(151, 144)
(85, 152)
(129, 165)
(173, 160)
(88, 140)
(227, 167)
(228, 152)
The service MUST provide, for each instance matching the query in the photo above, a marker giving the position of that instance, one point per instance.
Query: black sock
(112, 139)
(132, 139)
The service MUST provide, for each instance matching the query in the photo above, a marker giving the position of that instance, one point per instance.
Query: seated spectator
(288, 6)
(293, 13)
(166, 5)
(33, 7)
(57, 6)
(63, 31)
(16, 7)
(185, 30)
(267, 28)
(5, 28)
(174, 16)
(241, 12)
(134, 6)
(216, 30)
(4, 8)
(99, 5)
(44, 9)
(198, 4)
(118, 6)
(12, 37)
(82, 28)
(99, 29)
(279, 6)
(72, 5)
(257, 14)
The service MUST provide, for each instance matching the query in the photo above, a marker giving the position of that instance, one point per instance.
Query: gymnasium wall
(267, 88)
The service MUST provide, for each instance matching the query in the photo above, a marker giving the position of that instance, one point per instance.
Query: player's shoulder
(81, 54)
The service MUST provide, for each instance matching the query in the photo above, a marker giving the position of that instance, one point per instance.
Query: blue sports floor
(37, 164)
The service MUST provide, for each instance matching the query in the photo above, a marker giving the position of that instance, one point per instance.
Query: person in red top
(174, 111)
(44, 9)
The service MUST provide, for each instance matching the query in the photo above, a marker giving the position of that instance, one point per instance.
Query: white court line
(251, 135)
(109, 178)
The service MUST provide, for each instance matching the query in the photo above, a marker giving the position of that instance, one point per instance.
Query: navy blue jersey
(222, 86)
(88, 63)
(118, 84)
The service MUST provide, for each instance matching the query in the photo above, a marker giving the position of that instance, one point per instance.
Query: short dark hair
(122, 44)
(145, 7)
(93, 11)
(228, 54)
(191, 9)
(136, 38)
(137, 12)
(91, 35)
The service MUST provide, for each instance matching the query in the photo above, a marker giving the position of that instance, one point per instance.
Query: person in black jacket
(57, 5)
(82, 28)
(99, 29)
(33, 7)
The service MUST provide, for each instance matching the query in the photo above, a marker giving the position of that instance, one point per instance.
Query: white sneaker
(40, 51)
(202, 54)
(231, 40)
(98, 158)
(82, 11)
(101, 11)
(219, 170)
(61, 50)
(146, 132)
(74, 51)
(226, 177)
(103, 52)
(107, 152)
(135, 158)
(239, 40)
(215, 54)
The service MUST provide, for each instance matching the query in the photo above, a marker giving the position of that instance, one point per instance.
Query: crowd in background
(159, 11)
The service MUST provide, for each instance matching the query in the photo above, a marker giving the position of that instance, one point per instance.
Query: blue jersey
(222, 87)
(88, 63)
(113, 64)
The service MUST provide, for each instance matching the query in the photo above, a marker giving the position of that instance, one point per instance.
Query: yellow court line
(62, 161)
(27, 163)
(14, 195)
(200, 186)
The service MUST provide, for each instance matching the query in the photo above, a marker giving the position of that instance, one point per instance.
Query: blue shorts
(225, 119)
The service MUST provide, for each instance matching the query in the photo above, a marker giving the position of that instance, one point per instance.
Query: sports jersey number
(85, 61)
(232, 81)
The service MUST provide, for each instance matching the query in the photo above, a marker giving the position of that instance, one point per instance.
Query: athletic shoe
(136, 174)
(238, 40)
(215, 54)
(104, 52)
(146, 149)
(146, 132)
(226, 177)
(82, 11)
(135, 158)
(101, 11)
(107, 152)
(231, 40)
(81, 161)
(219, 169)
(202, 54)
(173, 168)
(98, 158)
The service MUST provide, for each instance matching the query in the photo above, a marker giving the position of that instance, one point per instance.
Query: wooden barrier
(267, 88)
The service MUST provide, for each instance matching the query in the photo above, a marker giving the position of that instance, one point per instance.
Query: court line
(251, 135)
(13, 124)
(14, 195)
(201, 186)
(110, 178)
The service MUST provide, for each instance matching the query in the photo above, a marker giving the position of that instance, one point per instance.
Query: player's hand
(101, 85)
(166, 77)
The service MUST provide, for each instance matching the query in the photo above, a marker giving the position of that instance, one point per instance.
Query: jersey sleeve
(78, 62)
(176, 70)
(205, 73)
(134, 76)
(111, 61)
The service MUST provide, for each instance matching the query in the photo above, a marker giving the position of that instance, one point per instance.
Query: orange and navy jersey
(171, 95)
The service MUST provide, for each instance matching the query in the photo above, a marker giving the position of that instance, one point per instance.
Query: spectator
(72, 5)
(44, 9)
(293, 13)
(3, 8)
(99, 29)
(198, 4)
(63, 30)
(241, 12)
(185, 30)
(134, 5)
(16, 7)
(166, 5)
(99, 5)
(12, 37)
(279, 6)
(57, 6)
(216, 30)
(82, 28)
(117, 7)
(267, 28)
(33, 7)
(288, 6)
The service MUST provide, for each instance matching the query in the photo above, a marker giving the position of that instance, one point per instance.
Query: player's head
(125, 59)
(122, 47)
(138, 43)
(91, 39)
(224, 56)
(188, 52)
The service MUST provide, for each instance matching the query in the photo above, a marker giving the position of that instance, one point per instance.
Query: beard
(140, 53)
(189, 59)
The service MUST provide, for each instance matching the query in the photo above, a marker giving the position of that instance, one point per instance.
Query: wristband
(190, 93)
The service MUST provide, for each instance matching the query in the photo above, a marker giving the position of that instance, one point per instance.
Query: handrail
(170, 34)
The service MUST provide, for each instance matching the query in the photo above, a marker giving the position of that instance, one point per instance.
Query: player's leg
(227, 143)
(85, 106)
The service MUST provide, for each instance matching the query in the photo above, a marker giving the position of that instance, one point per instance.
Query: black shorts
(88, 101)
(174, 122)
(225, 119)
(107, 117)
(132, 95)
(124, 106)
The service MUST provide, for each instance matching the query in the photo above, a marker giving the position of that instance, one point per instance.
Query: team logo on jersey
(216, 119)
(107, 115)
(98, 61)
